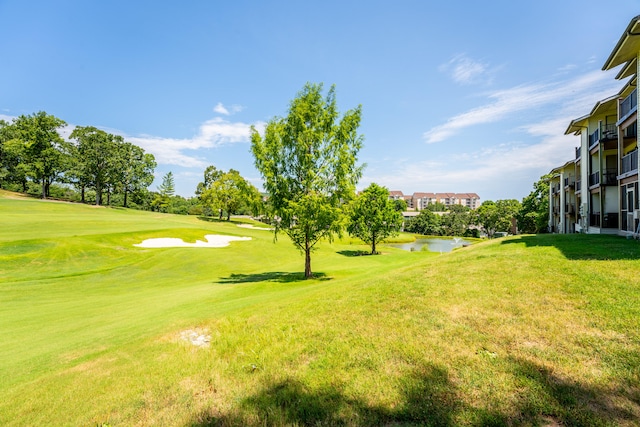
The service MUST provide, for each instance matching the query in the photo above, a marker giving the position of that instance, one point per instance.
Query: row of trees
(32, 150)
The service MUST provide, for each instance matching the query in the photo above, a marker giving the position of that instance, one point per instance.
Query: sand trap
(213, 241)
(253, 227)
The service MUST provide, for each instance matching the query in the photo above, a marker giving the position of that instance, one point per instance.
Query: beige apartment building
(597, 191)
(419, 201)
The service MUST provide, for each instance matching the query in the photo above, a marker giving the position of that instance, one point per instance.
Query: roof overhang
(627, 47)
(608, 105)
(629, 69)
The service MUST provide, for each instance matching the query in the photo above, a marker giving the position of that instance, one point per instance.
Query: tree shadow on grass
(272, 276)
(355, 253)
(428, 398)
(583, 246)
(554, 400)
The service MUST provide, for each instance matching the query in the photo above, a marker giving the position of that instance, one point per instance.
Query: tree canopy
(228, 192)
(373, 217)
(308, 162)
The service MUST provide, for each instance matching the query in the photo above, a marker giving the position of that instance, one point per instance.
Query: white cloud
(465, 70)
(221, 109)
(589, 87)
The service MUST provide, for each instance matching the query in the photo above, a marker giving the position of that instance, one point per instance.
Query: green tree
(166, 190)
(136, 169)
(45, 152)
(229, 192)
(455, 221)
(13, 165)
(373, 217)
(308, 162)
(427, 223)
(496, 216)
(96, 159)
(400, 205)
(211, 174)
(533, 217)
(436, 207)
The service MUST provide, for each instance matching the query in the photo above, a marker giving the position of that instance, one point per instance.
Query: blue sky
(460, 96)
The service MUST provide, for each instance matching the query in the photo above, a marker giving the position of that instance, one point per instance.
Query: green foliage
(436, 207)
(427, 223)
(533, 216)
(44, 152)
(400, 205)
(373, 217)
(496, 216)
(308, 162)
(228, 192)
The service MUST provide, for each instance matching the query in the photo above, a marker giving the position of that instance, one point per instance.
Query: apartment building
(597, 191)
(419, 201)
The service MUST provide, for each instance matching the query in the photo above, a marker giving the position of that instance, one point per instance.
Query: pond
(432, 245)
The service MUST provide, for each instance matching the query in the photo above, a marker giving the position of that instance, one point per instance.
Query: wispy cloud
(465, 70)
(506, 102)
(212, 133)
(227, 111)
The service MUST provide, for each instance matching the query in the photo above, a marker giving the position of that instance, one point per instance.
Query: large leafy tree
(135, 169)
(13, 166)
(308, 162)
(373, 216)
(45, 152)
(229, 192)
(533, 216)
(496, 216)
(96, 160)
(427, 223)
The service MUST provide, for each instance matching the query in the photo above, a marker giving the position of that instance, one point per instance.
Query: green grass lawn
(528, 330)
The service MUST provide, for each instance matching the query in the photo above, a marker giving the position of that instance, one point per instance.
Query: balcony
(628, 106)
(594, 179)
(570, 208)
(578, 185)
(610, 177)
(594, 138)
(630, 162)
(578, 152)
(594, 219)
(569, 182)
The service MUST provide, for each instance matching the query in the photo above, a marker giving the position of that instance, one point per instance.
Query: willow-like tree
(308, 162)
(373, 216)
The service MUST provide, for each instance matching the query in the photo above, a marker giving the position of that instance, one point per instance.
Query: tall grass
(529, 330)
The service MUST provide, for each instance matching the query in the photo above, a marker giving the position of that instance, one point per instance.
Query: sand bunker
(213, 241)
(253, 227)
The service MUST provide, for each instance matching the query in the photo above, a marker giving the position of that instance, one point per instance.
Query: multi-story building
(597, 192)
(419, 201)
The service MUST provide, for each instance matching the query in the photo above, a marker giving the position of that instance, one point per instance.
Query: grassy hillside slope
(530, 330)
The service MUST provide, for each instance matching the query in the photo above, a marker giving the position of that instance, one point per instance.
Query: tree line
(33, 154)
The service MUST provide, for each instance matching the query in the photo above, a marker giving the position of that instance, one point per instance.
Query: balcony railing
(594, 179)
(594, 138)
(570, 208)
(610, 177)
(578, 185)
(609, 132)
(630, 162)
(628, 104)
(569, 182)
(594, 219)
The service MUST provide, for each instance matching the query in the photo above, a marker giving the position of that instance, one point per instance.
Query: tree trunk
(307, 260)
(228, 215)
(220, 217)
(373, 244)
(82, 194)
(98, 195)
(44, 193)
(125, 198)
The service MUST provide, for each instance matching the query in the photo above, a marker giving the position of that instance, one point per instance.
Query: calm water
(433, 245)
